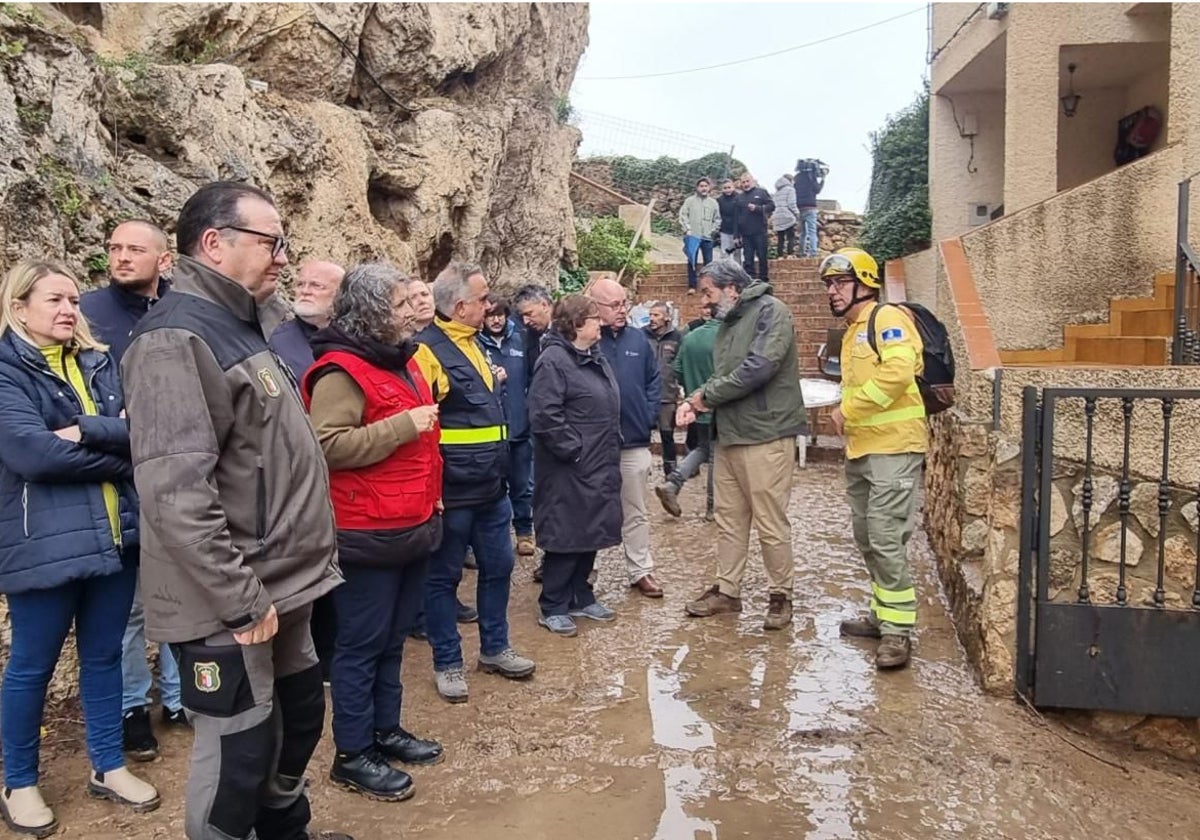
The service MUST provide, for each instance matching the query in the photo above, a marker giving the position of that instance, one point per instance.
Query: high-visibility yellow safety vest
(880, 399)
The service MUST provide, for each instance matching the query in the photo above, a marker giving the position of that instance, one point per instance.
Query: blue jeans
(808, 240)
(135, 670)
(485, 529)
(520, 485)
(376, 609)
(99, 608)
(706, 247)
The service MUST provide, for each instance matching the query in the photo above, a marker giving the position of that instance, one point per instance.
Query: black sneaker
(140, 743)
(406, 747)
(466, 614)
(369, 773)
(175, 717)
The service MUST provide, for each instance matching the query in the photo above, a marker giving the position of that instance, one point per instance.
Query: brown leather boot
(779, 613)
(893, 652)
(862, 627)
(713, 602)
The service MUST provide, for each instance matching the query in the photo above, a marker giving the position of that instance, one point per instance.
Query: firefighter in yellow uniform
(882, 418)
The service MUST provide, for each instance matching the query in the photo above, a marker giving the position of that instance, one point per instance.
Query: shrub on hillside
(898, 219)
(604, 246)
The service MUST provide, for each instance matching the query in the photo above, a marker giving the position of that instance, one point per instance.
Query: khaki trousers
(635, 531)
(753, 486)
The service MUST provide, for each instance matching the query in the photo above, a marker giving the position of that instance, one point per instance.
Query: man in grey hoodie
(783, 220)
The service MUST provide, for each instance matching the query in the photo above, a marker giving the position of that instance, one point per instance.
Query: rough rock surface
(416, 132)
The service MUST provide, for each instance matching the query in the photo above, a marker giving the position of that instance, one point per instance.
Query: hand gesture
(839, 421)
(499, 373)
(685, 415)
(424, 417)
(264, 631)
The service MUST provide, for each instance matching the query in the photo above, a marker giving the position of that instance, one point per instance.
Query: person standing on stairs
(754, 206)
(700, 218)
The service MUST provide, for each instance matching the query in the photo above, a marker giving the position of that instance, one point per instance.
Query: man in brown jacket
(237, 528)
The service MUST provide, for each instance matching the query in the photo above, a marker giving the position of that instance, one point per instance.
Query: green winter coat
(754, 391)
(694, 362)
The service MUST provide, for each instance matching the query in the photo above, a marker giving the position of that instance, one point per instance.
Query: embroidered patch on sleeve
(892, 334)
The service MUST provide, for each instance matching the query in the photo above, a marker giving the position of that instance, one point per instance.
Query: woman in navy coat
(68, 535)
(575, 419)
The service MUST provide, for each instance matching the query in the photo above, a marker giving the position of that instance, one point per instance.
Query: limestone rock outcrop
(415, 132)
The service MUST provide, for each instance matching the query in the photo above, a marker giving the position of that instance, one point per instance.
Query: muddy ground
(665, 727)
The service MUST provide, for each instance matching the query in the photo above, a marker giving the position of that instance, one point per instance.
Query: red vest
(400, 491)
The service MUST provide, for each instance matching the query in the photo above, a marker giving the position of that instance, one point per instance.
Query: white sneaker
(124, 788)
(25, 812)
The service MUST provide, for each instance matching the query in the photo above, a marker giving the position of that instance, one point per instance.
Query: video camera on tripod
(814, 169)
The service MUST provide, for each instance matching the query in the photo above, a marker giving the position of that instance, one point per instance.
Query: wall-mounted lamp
(1070, 101)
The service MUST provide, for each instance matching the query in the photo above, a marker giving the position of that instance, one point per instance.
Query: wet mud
(665, 727)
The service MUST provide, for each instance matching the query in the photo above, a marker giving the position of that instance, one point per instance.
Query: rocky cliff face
(419, 133)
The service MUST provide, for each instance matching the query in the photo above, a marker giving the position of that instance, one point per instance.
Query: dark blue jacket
(632, 361)
(508, 351)
(290, 342)
(113, 312)
(54, 526)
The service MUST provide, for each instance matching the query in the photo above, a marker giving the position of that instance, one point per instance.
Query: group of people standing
(741, 216)
(287, 501)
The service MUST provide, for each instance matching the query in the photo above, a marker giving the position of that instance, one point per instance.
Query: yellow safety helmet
(853, 262)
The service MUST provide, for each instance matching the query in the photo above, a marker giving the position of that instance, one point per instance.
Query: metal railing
(1185, 347)
(1106, 634)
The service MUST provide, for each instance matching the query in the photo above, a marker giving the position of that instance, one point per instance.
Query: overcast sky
(820, 101)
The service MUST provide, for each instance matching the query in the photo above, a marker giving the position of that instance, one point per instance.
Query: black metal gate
(1079, 650)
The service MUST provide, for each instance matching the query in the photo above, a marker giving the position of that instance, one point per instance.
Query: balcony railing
(1185, 348)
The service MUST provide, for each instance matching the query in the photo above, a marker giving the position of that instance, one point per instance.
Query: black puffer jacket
(575, 419)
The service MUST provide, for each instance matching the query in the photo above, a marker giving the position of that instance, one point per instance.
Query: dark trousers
(666, 434)
(99, 609)
(324, 632)
(565, 581)
(258, 711)
(754, 255)
(520, 485)
(485, 529)
(376, 609)
(705, 253)
(785, 236)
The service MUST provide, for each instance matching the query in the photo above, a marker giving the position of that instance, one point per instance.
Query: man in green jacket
(693, 366)
(758, 412)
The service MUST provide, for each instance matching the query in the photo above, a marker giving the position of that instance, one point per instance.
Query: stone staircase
(1137, 333)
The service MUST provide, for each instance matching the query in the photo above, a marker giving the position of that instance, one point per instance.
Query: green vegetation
(197, 51)
(639, 179)
(29, 16)
(898, 219)
(97, 263)
(604, 246)
(33, 117)
(64, 190)
(571, 280)
(12, 49)
(564, 111)
(665, 225)
(138, 64)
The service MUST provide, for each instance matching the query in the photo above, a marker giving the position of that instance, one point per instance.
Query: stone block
(1106, 545)
(1143, 504)
(1058, 510)
(977, 490)
(972, 441)
(1190, 515)
(1104, 493)
(975, 536)
(1179, 559)
(1006, 450)
(1006, 501)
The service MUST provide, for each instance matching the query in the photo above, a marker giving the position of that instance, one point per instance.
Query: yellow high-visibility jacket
(880, 400)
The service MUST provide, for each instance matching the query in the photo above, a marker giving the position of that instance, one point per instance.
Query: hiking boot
(713, 602)
(779, 613)
(404, 746)
(452, 684)
(525, 545)
(893, 652)
(369, 773)
(863, 626)
(124, 788)
(595, 611)
(176, 717)
(139, 741)
(25, 812)
(559, 625)
(466, 614)
(668, 494)
(507, 663)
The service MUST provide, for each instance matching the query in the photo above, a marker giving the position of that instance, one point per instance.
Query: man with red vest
(474, 440)
(376, 419)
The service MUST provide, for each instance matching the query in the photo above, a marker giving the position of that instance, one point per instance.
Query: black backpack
(937, 381)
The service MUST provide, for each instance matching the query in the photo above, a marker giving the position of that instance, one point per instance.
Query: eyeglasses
(279, 244)
(838, 281)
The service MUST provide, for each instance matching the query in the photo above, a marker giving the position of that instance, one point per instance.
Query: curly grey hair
(726, 273)
(363, 306)
(450, 287)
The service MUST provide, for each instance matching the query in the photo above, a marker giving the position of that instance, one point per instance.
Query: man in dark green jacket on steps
(758, 412)
(693, 366)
